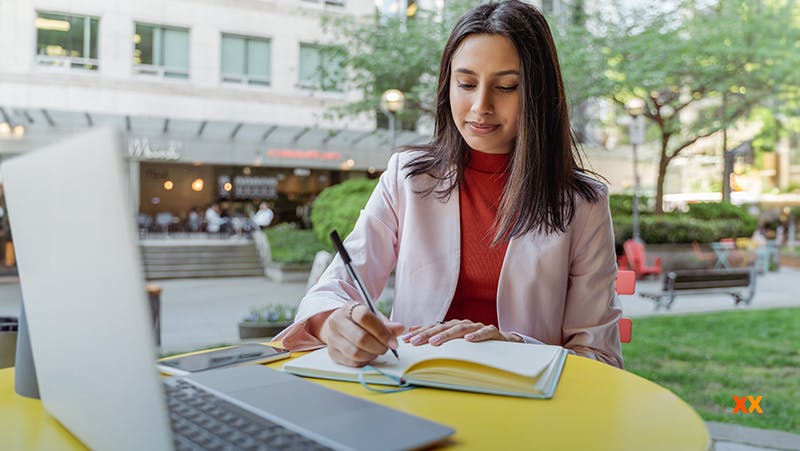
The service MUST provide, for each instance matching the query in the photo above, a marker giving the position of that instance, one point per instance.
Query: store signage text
(144, 149)
(303, 154)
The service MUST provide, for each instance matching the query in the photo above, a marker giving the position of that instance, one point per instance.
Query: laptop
(93, 346)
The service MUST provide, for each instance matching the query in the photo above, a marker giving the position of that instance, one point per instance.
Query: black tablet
(218, 358)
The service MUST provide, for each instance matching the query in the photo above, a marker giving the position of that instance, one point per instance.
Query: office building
(216, 100)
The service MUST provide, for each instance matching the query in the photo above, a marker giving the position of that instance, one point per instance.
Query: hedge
(338, 206)
(705, 222)
(680, 229)
(288, 244)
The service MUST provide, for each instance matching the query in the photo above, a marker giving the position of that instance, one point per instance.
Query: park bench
(740, 283)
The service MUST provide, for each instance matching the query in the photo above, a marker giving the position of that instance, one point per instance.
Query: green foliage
(708, 358)
(704, 222)
(288, 244)
(272, 313)
(767, 138)
(390, 53)
(680, 229)
(384, 307)
(337, 207)
(719, 210)
(688, 55)
(620, 204)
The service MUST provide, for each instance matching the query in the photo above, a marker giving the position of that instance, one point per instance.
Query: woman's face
(484, 92)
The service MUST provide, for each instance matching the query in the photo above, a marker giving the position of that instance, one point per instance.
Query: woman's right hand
(355, 336)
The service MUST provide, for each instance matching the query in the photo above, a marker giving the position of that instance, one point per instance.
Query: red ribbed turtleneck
(479, 194)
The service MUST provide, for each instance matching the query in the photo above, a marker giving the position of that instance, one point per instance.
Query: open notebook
(495, 367)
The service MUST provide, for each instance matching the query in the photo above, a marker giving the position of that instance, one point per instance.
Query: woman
(496, 231)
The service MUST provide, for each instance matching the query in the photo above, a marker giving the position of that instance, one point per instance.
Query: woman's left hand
(438, 333)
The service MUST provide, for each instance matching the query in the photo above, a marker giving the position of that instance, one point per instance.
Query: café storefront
(175, 165)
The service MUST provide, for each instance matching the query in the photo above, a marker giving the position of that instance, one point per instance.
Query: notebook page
(521, 358)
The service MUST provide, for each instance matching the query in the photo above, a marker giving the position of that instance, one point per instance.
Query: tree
(717, 61)
(390, 52)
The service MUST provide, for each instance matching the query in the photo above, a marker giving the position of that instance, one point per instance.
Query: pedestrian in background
(264, 216)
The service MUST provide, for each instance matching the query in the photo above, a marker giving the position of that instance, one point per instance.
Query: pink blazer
(556, 289)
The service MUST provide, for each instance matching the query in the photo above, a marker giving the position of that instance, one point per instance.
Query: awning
(154, 138)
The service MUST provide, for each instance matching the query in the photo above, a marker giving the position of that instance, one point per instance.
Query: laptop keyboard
(201, 420)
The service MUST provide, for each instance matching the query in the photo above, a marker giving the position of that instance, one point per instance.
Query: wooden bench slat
(699, 284)
(738, 283)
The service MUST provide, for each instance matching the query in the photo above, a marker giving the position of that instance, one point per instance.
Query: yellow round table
(595, 407)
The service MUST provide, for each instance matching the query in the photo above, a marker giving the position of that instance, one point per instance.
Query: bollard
(8, 341)
(154, 300)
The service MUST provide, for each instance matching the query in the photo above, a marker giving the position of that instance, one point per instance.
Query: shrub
(680, 229)
(338, 206)
(620, 204)
(288, 244)
(718, 210)
(272, 313)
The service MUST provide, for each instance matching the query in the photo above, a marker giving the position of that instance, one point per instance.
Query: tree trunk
(662, 174)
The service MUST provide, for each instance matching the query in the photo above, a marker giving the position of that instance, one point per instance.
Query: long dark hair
(546, 169)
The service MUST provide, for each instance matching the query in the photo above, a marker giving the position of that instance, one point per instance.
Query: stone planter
(251, 329)
(288, 272)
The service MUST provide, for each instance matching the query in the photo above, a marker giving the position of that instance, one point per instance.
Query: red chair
(625, 326)
(634, 252)
(706, 257)
(626, 284)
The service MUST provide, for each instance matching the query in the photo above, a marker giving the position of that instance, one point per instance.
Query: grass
(706, 359)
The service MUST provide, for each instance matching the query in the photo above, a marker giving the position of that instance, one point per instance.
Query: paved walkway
(202, 312)
(198, 313)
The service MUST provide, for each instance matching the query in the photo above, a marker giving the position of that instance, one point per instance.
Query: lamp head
(634, 106)
(392, 100)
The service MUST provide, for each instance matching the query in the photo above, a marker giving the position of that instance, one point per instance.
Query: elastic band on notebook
(401, 384)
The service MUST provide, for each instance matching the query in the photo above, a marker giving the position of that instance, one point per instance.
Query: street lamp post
(392, 101)
(635, 108)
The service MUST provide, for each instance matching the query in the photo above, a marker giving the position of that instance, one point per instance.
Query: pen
(337, 242)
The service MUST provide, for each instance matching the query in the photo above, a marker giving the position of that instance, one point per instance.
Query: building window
(66, 41)
(161, 51)
(245, 60)
(321, 67)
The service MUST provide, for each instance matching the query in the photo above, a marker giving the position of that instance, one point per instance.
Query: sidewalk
(198, 313)
(202, 312)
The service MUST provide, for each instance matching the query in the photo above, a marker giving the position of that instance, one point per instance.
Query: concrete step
(180, 274)
(178, 259)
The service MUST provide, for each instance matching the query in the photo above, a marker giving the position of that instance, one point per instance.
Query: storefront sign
(142, 148)
(304, 154)
(245, 187)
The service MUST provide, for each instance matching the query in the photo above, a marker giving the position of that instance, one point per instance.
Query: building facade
(214, 100)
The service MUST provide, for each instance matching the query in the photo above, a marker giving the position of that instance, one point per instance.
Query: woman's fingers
(374, 326)
(420, 334)
(439, 333)
(457, 330)
(485, 333)
(355, 336)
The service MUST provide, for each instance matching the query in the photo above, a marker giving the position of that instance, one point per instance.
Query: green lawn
(706, 359)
